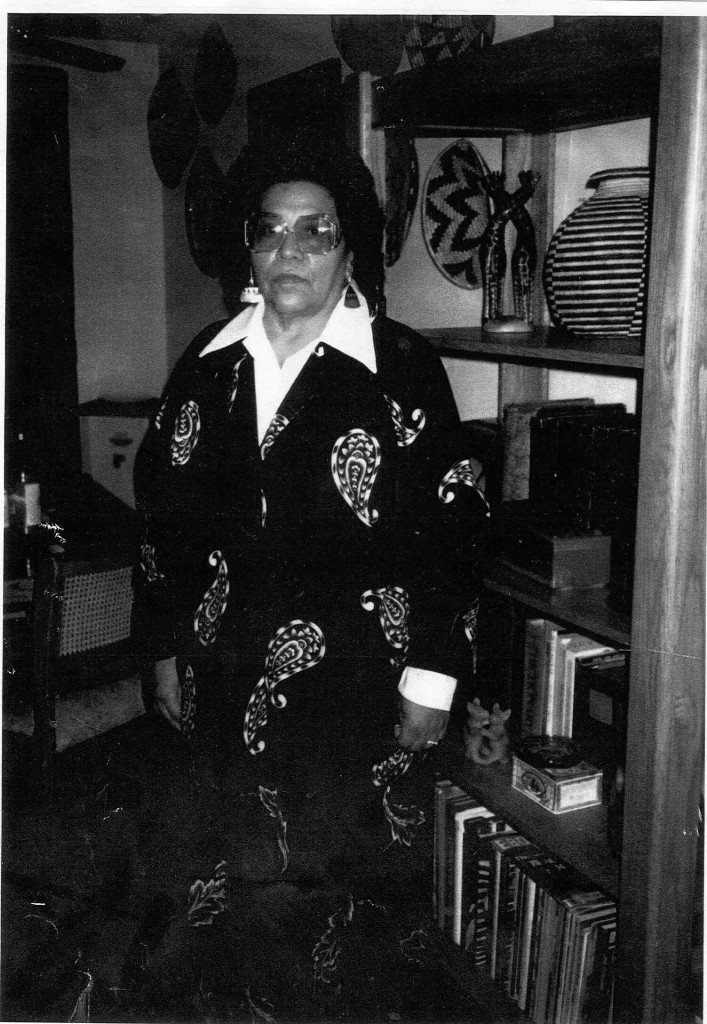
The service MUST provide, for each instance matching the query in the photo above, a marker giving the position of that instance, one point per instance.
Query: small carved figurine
(492, 252)
(485, 736)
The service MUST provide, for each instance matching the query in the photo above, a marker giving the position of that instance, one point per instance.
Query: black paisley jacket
(356, 524)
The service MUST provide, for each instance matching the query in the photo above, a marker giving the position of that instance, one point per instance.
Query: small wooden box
(561, 561)
(558, 789)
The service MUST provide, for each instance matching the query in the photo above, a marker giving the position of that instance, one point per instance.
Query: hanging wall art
(402, 182)
(455, 212)
(207, 204)
(172, 128)
(215, 75)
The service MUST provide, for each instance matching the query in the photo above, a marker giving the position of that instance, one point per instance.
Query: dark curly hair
(336, 168)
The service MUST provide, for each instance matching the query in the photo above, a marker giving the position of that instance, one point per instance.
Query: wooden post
(666, 714)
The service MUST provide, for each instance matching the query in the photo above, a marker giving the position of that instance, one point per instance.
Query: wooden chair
(85, 669)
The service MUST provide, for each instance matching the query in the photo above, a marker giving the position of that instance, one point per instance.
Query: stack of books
(523, 918)
(550, 660)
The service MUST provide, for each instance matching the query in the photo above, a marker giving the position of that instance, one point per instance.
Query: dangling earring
(351, 299)
(251, 292)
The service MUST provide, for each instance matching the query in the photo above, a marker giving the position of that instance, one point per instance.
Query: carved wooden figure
(508, 207)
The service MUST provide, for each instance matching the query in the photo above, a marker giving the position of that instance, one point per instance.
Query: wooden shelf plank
(589, 71)
(583, 609)
(578, 837)
(546, 345)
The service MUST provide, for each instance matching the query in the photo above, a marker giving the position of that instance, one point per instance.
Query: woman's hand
(420, 727)
(168, 692)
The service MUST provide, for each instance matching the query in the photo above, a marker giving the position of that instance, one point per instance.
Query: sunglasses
(314, 234)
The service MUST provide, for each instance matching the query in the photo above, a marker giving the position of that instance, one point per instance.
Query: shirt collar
(347, 330)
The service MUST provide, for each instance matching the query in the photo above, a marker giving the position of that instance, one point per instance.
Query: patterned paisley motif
(392, 768)
(354, 465)
(393, 613)
(160, 415)
(209, 613)
(148, 564)
(233, 383)
(277, 425)
(415, 947)
(328, 949)
(404, 821)
(271, 803)
(256, 716)
(259, 1007)
(206, 899)
(186, 433)
(470, 620)
(462, 472)
(187, 714)
(405, 435)
(295, 648)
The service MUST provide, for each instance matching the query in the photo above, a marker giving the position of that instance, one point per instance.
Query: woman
(308, 583)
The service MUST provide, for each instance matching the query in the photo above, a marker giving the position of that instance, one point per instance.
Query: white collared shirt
(349, 331)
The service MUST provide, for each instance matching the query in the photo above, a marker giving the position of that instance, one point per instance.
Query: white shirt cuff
(430, 689)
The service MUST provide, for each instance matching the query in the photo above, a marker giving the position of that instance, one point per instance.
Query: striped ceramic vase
(595, 268)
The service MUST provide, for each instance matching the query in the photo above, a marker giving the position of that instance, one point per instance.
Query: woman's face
(295, 283)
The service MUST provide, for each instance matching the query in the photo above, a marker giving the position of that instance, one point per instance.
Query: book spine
(465, 822)
(559, 711)
(502, 847)
(444, 795)
(533, 676)
(528, 919)
(481, 924)
(441, 791)
(578, 649)
(549, 707)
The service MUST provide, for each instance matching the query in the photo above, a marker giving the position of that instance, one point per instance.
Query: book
(500, 847)
(444, 791)
(480, 926)
(538, 673)
(585, 909)
(600, 709)
(549, 685)
(596, 996)
(543, 871)
(571, 648)
(516, 443)
(526, 922)
(509, 927)
(561, 474)
(467, 819)
(587, 922)
(448, 862)
(546, 872)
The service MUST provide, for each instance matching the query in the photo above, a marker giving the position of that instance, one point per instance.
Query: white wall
(119, 266)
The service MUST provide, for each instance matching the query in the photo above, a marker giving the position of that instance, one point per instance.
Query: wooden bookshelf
(546, 346)
(587, 71)
(590, 71)
(578, 837)
(586, 610)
